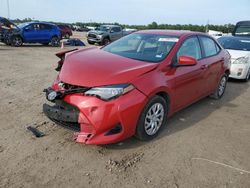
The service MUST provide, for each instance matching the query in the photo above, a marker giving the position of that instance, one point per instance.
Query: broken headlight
(109, 92)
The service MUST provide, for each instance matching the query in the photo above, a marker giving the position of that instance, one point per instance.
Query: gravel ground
(204, 145)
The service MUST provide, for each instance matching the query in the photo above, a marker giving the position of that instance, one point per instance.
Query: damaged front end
(98, 114)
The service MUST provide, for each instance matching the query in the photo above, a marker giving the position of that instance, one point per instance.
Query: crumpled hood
(95, 67)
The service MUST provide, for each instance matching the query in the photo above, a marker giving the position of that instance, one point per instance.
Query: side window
(116, 29)
(30, 27)
(210, 47)
(36, 26)
(190, 47)
(45, 27)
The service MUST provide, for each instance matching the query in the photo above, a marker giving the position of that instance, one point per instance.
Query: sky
(137, 12)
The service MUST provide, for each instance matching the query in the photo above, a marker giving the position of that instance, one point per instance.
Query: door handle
(204, 67)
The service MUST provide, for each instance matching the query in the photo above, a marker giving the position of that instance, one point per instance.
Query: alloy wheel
(154, 118)
(222, 86)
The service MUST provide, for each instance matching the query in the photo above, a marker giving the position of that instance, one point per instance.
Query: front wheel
(16, 41)
(55, 41)
(248, 76)
(105, 41)
(152, 118)
(220, 90)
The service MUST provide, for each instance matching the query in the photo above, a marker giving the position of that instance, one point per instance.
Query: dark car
(66, 31)
(35, 32)
(74, 42)
(6, 26)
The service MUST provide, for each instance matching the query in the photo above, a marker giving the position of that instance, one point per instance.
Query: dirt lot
(205, 145)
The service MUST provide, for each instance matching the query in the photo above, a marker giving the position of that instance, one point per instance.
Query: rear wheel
(248, 76)
(16, 41)
(219, 92)
(152, 118)
(55, 41)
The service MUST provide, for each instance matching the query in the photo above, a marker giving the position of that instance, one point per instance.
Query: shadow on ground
(191, 115)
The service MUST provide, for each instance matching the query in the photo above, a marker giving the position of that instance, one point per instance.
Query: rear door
(44, 32)
(212, 62)
(189, 79)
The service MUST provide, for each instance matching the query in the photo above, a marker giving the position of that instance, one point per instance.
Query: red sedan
(131, 86)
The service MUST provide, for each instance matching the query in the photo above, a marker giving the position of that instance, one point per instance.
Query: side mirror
(186, 61)
(111, 31)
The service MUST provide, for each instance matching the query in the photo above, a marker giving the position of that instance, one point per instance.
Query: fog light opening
(117, 129)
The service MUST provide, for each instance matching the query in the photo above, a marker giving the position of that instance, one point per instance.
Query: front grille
(92, 36)
(68, 125)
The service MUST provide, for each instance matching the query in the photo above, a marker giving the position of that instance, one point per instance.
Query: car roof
(177, 33)
(40, 23)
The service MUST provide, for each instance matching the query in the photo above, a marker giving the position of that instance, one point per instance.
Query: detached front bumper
(239, 71)
(96, 121)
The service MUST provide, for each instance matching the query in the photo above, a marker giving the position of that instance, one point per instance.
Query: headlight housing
(109, 92)
(241, 60)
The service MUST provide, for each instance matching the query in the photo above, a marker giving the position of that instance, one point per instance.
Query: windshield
(103, 28)
(235, 43)
(242, 30)
(143, 47)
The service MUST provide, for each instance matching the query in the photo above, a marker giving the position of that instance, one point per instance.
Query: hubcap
(222, 85)
(154, 118)
(18, 41)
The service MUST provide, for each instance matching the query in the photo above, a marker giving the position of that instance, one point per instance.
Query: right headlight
(241, 60)
(109, 92)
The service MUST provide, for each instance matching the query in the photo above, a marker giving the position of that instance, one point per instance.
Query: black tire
(91, 42)
(16, 41)
(142, 131)
(248, 76)
(55, 42)
(220, 90)
(105, 41)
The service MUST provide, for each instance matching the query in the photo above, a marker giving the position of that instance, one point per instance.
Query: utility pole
(8, 8)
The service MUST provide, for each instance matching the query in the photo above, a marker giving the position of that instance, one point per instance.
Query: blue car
(35, 32)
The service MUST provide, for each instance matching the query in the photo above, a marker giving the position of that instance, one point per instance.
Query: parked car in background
(242, 28)
(131, 86)
(239, 49)
(105, 34)
(6, 26)
(74, 42)
(66, 31)
(35, 32)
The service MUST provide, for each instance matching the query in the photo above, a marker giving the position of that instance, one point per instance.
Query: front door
(189, 79)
